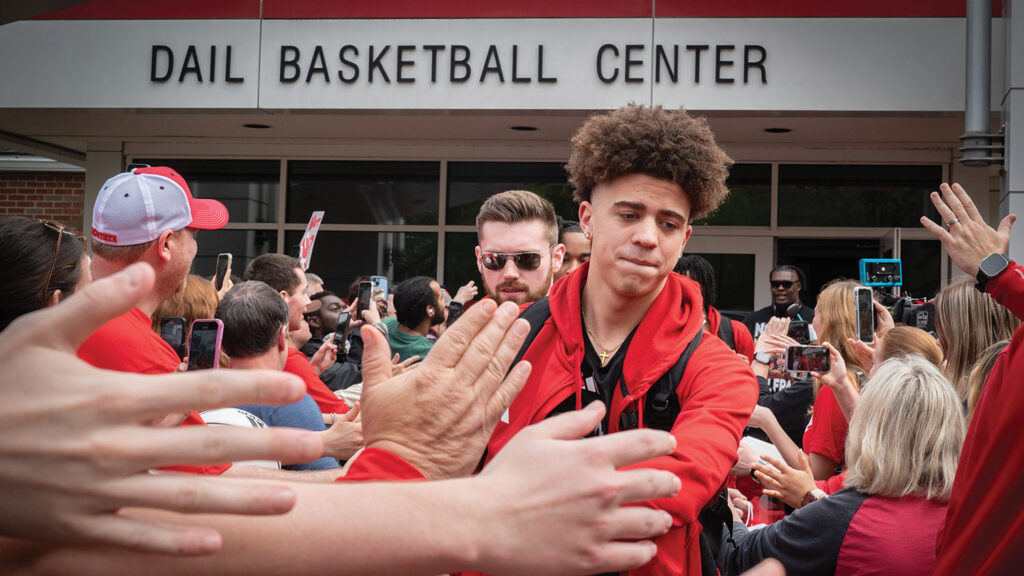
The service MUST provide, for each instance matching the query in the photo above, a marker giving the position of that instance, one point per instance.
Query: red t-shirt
(826, 432)
(328, 402)
(129, 344)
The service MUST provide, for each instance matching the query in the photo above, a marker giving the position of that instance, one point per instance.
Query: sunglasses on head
(61, 230)
(784, 284)
(522, 260)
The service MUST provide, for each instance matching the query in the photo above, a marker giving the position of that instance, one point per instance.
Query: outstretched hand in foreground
(75, 446)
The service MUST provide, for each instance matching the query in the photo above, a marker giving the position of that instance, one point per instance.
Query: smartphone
(379, 286)
(365, 297)
(807, 359)
(223, 264)
(865, 314)
(172, 330)
(799, 331)
(204, 344)
(341, 331)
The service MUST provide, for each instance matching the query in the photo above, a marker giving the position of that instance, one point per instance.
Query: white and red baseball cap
(137, 206)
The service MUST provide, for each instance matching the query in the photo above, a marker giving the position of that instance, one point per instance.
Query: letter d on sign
(157, 50)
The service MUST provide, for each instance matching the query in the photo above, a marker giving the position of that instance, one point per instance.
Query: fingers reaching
(450, 347)
(144, 536)
(201, 390)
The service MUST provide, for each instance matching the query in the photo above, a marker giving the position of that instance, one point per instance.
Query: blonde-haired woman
(902, 450)
(834, 322)
(967, 322)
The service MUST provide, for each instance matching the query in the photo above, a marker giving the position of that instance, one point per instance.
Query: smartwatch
(764, 358)
(992, 266)
(812, 495)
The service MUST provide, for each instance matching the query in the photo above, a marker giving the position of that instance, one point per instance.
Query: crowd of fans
(899, 458)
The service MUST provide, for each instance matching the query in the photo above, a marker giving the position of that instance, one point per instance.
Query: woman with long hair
(902, 450)
(835, 323)
(42, 263)
(967, 322)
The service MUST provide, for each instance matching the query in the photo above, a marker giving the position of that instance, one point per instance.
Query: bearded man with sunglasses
(519, 252)
(624, 330)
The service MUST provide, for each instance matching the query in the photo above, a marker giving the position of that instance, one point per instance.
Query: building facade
(398, 119)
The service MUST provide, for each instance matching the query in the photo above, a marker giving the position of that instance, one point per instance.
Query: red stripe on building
(452, 9)
(158, 10)
(817, 9)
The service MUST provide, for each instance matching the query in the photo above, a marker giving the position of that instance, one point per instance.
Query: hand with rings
(973, 240)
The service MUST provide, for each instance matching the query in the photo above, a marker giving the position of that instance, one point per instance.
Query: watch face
(993, 264)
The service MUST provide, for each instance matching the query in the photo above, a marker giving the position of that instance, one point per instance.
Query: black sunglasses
(522, 260)
(784, 284)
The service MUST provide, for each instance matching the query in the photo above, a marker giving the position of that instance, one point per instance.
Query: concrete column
(103, 159)
(1011, 189)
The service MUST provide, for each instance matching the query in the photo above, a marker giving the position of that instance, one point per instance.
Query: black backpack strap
(536, 314)
(725, 332)
(662, 404)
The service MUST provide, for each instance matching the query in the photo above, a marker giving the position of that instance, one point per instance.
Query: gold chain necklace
(606, 353)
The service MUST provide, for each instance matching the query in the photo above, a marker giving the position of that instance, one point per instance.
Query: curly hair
(664, 144)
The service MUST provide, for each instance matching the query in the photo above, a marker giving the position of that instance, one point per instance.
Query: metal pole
(977, 89)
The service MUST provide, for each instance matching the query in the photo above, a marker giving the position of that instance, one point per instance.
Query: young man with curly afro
(616, 331)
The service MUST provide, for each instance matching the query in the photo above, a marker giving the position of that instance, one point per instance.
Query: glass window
(471, 183)
(869, 196)
(825, 259)
(460, 261)
(734, 277)
(248, 188)
(922, 267)
(750, 198)
(244, 245)
(339, 257)
(364, 192)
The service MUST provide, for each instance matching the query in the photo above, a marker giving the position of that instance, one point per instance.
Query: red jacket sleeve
(982, 533)
(716, 397)
(1008, 289)
(378, 464)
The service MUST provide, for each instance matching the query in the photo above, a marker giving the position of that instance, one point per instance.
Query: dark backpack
(660, 412)
(725, 332)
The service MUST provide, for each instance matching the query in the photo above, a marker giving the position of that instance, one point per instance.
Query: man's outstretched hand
(75, 446)
(439, 416)
(969, 239)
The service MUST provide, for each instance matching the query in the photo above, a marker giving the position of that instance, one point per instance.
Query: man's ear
(314, 321)
(164, 245)
(479, 264)
(586, 213)
(557, 256)
(282, 339)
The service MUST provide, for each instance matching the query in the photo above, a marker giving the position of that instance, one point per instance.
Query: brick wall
(55, 196)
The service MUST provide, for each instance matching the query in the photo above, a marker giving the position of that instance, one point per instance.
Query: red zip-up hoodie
(717, 395)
